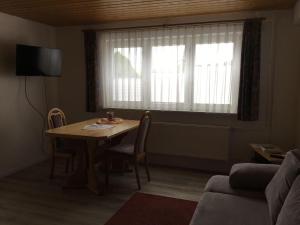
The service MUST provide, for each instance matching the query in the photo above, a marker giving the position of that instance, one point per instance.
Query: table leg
(93, 183)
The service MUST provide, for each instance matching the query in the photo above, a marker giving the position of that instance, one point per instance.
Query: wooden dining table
(85, 174)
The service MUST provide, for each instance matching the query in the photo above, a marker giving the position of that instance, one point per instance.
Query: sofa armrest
(220, 184)
(251, 175)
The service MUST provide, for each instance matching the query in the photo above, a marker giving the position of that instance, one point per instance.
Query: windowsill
(186, 117)
(168, 111)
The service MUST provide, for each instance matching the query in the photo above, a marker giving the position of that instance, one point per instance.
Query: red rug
(146, 209)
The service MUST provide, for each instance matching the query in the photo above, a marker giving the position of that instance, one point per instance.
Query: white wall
(20, 134)
(297, 22)
(297, 12)
(21, 127)
(286, 82)
(279, 80)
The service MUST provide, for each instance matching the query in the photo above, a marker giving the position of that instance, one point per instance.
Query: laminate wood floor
(30, 198)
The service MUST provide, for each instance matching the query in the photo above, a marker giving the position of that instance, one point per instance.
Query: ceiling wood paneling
(79, 12)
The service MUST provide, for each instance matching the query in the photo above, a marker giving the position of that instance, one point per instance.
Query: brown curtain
(248, 106)
(91, 64)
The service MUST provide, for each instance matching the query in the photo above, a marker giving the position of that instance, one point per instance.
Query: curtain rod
(175, 24)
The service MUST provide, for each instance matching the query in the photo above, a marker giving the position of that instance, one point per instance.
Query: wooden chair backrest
(143, 132)
(56, 118)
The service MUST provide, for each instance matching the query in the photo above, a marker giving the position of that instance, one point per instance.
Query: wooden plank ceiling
(79, 12)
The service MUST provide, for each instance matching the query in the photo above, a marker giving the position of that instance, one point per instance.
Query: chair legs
(67, 165)
(136, 168)
(147, 169)
(106, 168)
(69, 162)
(52, 166)
(72, 163)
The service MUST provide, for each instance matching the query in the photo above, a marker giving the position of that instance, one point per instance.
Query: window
(167, 75)
(127, 70)
(185, 68)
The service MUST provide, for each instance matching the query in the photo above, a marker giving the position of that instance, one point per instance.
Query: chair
(134, 153)
(61, 148)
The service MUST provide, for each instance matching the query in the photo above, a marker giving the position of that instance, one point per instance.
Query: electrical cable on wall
(45, 93)
(36, 110)
(28, 63)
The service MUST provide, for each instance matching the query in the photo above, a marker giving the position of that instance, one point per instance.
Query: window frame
(189, 57)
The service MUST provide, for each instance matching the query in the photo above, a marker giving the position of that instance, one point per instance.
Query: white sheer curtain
(183, 68)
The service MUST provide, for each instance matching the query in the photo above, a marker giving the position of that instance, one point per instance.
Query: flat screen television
(37, 61)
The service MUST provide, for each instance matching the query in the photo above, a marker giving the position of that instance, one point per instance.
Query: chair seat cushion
(224, 209)
(63, 143)
(68, 147)
(220, 184)
(127, 149)
(65, 151)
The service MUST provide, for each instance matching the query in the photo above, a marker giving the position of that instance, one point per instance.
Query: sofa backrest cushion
(279, 186)
(290, 211)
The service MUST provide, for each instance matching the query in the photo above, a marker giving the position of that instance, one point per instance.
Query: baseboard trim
(205, 165)
(22, 166)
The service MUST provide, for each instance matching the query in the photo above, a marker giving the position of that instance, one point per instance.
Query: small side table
(262, 156)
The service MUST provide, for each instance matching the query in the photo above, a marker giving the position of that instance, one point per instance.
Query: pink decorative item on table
(106, 121)
(110, 116)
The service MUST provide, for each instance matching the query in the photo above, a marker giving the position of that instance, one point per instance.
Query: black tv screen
(37, 61)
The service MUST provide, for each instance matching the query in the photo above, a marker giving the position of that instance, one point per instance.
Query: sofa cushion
(220, 184)
(290, 211)
(224, 209)
(252, 175)
(281, 183)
